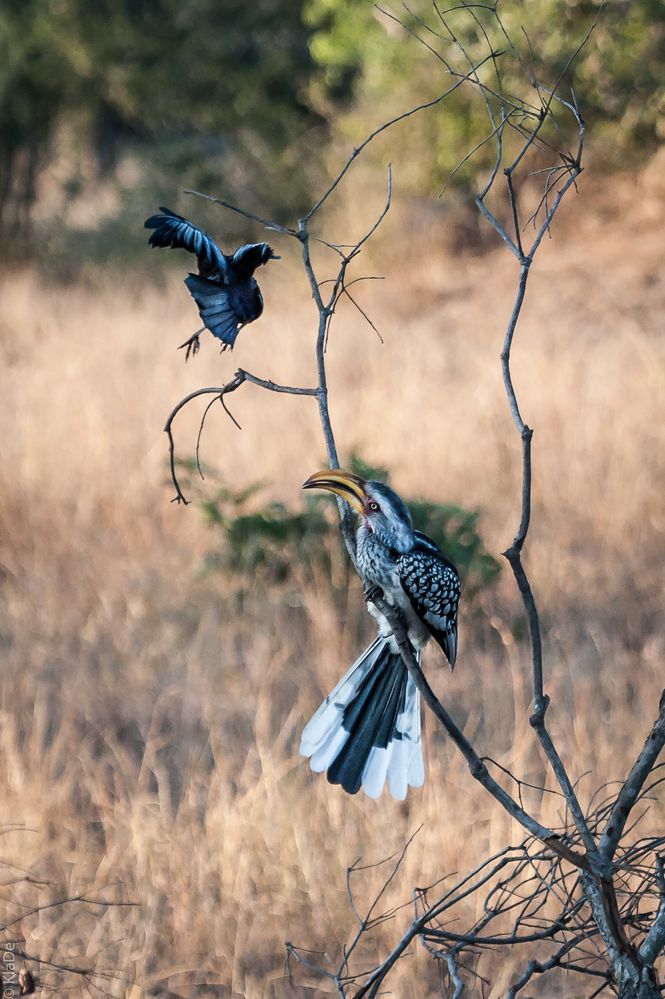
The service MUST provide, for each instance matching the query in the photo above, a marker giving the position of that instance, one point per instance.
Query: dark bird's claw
(371, 593)
(193, 345)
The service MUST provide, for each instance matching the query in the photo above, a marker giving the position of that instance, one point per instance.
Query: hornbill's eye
(374, 507)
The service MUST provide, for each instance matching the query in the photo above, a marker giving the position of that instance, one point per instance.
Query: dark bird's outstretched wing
(214, 308)
(174, 231)
(433, 587)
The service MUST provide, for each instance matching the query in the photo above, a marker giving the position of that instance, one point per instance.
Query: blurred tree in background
(224, 95)
(619, 76)
(185, 87)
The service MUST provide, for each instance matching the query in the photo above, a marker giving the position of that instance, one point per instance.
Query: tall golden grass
(150, 718)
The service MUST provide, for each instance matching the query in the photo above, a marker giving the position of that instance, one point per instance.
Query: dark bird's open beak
(345, 484)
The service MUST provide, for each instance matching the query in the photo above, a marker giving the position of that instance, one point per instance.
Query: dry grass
(149, 722)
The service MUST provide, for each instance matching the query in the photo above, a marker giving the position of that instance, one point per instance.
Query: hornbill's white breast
(420, 582)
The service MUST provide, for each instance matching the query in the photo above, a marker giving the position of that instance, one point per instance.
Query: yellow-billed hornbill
(367, 730)
(225, 290)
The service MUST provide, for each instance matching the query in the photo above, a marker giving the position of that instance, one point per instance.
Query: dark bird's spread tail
(214, 308)
(367, 731)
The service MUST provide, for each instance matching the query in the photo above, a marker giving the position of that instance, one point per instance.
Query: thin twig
(267, 223)
(464, 78)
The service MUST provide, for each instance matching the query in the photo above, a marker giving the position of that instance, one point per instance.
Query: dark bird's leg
(193, 344)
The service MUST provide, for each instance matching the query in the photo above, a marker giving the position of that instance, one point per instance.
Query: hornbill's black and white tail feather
(367, 730)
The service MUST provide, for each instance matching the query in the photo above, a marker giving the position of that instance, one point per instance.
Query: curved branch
(201, 426)
(375, 225)
(241, 376)
(513, 554)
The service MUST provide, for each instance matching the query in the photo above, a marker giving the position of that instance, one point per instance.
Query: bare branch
(83, 897)
(655, 940)
(494, 222)
(297, 952)
(513, 554)
(267, 223)
(241, 376)
(538, 968)
(633, 785)
(366, 921)
(476, 766)
(494, 134)
(362, 312)
(201, 426)
(453, 971)
(393, 17)
(386, 208)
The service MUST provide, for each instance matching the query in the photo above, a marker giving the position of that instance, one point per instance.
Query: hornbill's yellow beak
(347, 485)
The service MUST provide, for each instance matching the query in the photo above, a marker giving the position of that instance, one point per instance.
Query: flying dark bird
(225, 290)
(367, 730)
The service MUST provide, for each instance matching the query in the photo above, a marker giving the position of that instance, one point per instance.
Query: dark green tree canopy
(225, 94)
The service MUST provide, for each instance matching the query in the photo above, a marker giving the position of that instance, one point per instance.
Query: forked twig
(219, 392)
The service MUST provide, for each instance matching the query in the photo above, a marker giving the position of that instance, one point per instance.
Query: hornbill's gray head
(383, 512)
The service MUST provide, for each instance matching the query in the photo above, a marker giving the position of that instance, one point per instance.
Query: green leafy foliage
(270, 541)
(265, 539)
